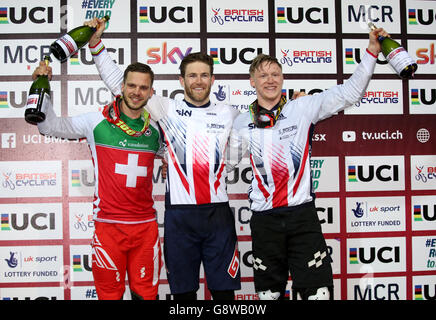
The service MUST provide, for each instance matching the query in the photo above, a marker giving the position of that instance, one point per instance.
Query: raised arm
(68, 127)
(345, 95)
(110, 73)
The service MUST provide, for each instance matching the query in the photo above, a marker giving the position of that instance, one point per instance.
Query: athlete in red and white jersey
(280, 155)
(123, 143)
(123, 164)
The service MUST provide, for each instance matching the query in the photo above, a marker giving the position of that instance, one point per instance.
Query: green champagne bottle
(72, 41)
(397, 56)
(36, 101)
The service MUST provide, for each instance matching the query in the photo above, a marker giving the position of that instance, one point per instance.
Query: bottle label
(34, 100)
(399, 59)
(67, 44)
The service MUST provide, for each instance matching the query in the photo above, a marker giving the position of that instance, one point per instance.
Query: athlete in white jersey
(286, 231)
(199, 224)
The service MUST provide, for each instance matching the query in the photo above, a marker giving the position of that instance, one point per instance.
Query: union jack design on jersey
(280, 155)
(196, 139)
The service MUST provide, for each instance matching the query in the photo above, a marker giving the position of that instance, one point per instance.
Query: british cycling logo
(425, 176)
(11, 181)
(7, 182)
(216, 17)
(290, 58)
(285, 59)
(237, 15)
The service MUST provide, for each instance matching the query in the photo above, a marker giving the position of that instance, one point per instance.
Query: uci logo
(83, 177)
(418, 16)
(311, 15)
(355, 53)
(117, 53)
(175, 14)
(38, 221)
(384, 173)
(82, 262)
(38, 15)
(423, 212)
(425, 291)
(422, 95)
(383, 254)
(245, 55)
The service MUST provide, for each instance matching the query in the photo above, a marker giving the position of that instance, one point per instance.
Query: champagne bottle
(72, 41)
(397, 56)
(38, 94)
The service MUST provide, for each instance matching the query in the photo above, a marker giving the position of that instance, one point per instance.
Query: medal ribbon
(112, 114)
(256, 113)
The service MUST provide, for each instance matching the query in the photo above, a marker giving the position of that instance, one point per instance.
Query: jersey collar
(194, 106)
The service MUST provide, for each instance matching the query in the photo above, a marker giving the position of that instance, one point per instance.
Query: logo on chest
(184, 113)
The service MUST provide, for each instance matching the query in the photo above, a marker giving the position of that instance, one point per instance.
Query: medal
(263, 118)
(112, 114)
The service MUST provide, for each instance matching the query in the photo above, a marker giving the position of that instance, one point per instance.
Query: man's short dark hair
(194, 57)
(138, 67)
